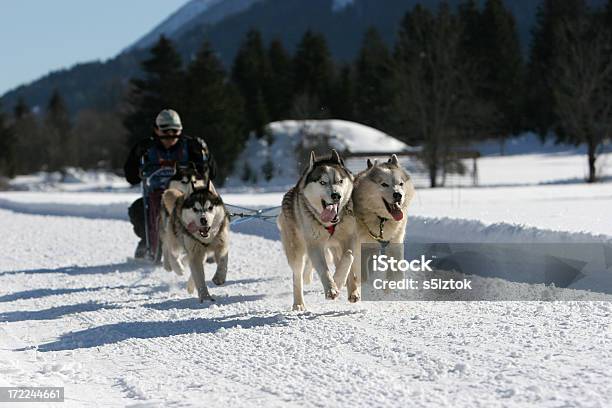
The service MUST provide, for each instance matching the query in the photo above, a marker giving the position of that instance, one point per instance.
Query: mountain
(100, 85)
(195, 12)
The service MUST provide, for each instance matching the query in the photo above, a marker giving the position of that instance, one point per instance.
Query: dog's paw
(204, 297)
(217, 280)
(299, 307)
(332, 293)
(355, 296)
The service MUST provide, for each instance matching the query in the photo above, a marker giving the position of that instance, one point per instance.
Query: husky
(194, 225)
(316, 220)
(381, 196)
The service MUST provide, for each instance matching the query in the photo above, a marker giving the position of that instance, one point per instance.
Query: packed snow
(76, 312)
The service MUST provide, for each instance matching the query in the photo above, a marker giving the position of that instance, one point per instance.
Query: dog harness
(378, 238)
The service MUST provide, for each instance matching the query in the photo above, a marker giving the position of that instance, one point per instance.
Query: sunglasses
(170, 134)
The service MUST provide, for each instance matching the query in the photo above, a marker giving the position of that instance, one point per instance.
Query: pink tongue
(329, 213)
(396, 213)
(192, 227)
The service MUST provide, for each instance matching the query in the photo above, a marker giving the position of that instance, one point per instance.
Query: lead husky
(195, 224)
(381, 197)
(316, 218)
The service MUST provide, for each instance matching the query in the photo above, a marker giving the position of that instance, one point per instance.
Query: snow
(338, 5)
(176, 20)
(192, 14)
(77, 315)
(75, 312)
(344, 136)
(72, 179)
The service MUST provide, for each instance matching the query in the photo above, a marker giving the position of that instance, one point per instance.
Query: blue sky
(38, 36)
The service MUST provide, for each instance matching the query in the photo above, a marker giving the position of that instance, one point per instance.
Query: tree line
(453, 76)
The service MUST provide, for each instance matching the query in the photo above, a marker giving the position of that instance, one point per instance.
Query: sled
(153, 186)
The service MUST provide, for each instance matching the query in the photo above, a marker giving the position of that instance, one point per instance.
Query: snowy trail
(74, 313)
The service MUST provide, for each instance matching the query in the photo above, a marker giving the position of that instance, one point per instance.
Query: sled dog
(316, 220)
(381, 196)
(192, 226)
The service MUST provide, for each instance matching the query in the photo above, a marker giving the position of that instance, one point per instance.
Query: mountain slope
(224, 22)
(196, 12)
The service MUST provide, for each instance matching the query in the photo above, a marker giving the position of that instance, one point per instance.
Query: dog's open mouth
(330, 212)
(395, 210)
(203, 231)
(194, 228)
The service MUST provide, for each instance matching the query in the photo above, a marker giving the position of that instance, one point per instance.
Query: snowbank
(286, 136)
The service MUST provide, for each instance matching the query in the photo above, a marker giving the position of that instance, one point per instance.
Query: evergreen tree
(472, 37)
(544, 49)
(7, 165)
(57, 133)
(343, 95)
(30, 150)
(159, 88)
(279, 88)
(501, 73)
(313, 74)
(214, 109)
(374, 73)
(251, 72)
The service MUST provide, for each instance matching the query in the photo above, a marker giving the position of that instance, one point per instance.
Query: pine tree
(159, 88)
(313, 74)
(472, 37)
(30, 149)
(343, 95)
(57, 133)
(544, 49)
(279, 87)
(7, 164)
(501, 79)
(374, 73)
(251, 72)
(214, 109)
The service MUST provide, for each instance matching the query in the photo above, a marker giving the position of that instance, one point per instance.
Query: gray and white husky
(381, 196)
(192, 226)
(316, 219)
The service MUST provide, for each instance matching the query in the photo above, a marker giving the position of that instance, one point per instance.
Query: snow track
(75, 313)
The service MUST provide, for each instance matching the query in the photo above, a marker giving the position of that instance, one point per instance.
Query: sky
(39, 36)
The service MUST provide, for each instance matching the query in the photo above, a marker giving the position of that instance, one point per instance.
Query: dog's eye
(340, 181)
(195, 210)
(322, 182)
(210, 208)
(385, 185)
(401, 184)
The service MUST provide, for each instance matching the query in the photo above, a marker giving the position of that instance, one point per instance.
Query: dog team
(324, 220)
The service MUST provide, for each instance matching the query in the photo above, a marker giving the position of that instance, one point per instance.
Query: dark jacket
(197, 152)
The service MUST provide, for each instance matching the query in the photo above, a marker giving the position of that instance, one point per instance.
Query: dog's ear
(335, 157)
(313, 159)
(393, 160)
(171, 198)
(370, 164)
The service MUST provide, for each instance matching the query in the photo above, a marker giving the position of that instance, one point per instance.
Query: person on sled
(167, 147)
